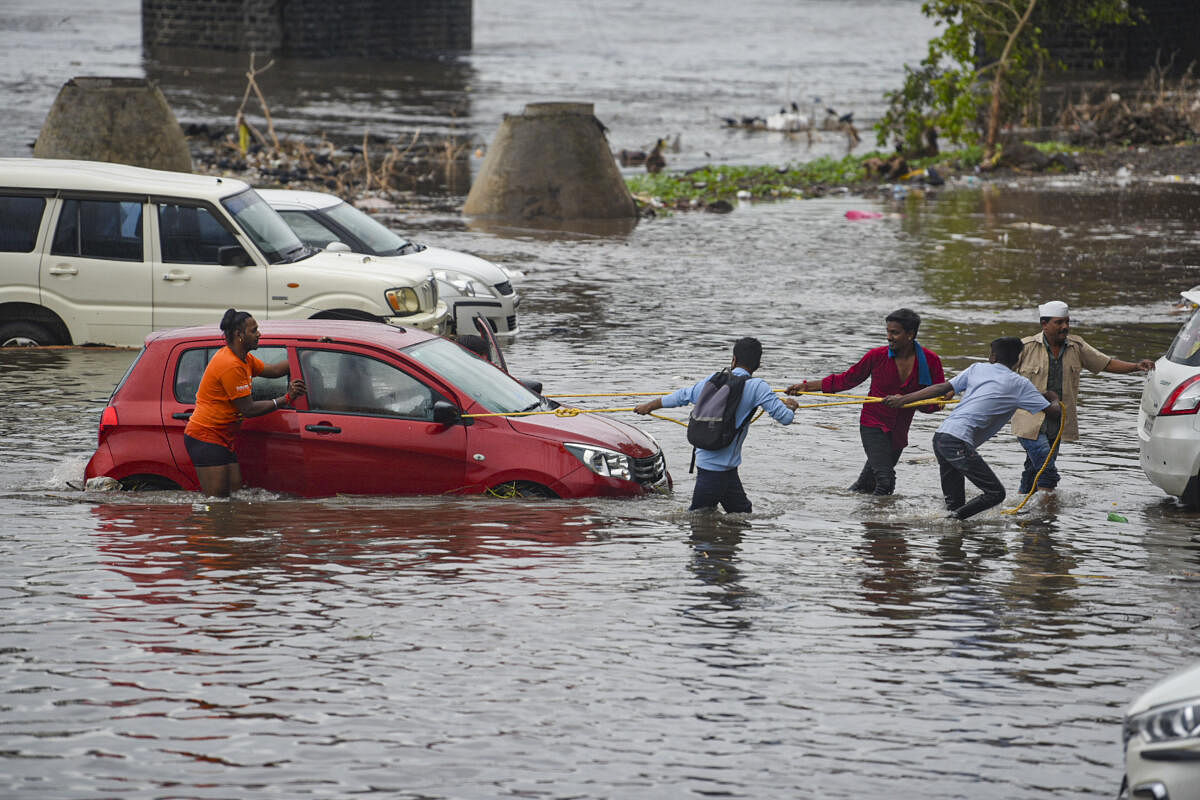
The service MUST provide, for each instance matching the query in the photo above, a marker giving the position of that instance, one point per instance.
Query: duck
(655, 161)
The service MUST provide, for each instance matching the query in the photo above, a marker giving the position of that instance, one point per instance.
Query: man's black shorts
(207, 454)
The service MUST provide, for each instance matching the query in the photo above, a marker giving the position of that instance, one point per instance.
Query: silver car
(1162, 740)
(1168, 422)
(469, 285)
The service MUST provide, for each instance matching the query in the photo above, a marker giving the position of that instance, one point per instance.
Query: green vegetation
(984, 70)
(711, 185)
(718, 187)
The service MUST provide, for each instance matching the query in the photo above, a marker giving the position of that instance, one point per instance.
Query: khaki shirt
(1035, 365)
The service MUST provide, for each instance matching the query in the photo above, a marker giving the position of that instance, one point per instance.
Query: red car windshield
(493, 389)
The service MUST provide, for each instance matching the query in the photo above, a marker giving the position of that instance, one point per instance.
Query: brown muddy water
(155, 645)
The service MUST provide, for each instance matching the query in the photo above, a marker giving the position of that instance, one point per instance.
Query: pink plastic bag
(852, 214)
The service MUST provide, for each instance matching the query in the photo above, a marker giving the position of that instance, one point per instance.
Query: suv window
(310, 231)
(356, 384)
(22, 217)
(190, 370)
(110, 229)
(190, 234)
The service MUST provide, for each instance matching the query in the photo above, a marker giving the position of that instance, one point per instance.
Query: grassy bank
(717, 188)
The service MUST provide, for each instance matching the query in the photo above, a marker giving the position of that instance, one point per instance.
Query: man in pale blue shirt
(717, 480)
(990, 392)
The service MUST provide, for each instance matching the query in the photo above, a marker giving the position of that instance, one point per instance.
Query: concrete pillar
(551, 163)
(121, 120)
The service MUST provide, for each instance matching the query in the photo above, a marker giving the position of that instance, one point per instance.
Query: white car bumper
(1169, 450)
(435, 321)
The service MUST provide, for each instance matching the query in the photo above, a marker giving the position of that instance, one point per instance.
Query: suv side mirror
(445, 413)
(233, 256)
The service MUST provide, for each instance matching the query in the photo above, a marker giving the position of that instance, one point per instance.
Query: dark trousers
(719, 486)
(878, 476)
(959, 462)
(1036, 451)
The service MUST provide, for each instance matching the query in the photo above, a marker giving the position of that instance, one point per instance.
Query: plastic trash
(853, 214)
(1115, 517)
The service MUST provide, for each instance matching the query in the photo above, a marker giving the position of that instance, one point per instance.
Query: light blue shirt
(990, 395)
(756, 393)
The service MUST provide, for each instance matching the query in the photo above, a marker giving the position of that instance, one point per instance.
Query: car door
(190, 285)
(369, 429)
(268, 447)
(97, 270)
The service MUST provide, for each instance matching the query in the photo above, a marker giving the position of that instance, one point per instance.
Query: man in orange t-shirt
(223, 400)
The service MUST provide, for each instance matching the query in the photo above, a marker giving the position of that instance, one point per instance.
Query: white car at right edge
(1162, 740)
(1168, 418)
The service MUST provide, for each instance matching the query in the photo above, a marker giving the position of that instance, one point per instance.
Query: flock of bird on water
(789, 119)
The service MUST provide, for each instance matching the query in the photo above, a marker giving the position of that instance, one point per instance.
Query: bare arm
(649, 405)
(248, 407)
(927, 393)
(805, 386)
(276, 370)
(1123, 367)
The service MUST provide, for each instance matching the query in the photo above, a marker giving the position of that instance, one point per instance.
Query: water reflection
(173, 549)
(891, 580)
(715, 539)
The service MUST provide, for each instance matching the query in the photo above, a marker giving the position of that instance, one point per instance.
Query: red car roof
(376, 333)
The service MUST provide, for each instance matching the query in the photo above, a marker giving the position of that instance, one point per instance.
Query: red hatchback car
(384, 415)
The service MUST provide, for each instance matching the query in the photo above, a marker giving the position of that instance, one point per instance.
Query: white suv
(469, 285)
(97, 253)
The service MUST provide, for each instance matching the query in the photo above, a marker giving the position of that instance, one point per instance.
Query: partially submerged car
(469, 285)
(388, 411)
(98, 253)
(1168, 418)
(1162, 740)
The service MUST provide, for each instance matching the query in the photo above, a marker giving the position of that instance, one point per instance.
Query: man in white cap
(1053, 360)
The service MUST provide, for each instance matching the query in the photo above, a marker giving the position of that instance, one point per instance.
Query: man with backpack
(724, 404)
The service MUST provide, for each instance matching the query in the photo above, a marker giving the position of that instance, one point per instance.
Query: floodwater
(157, 645)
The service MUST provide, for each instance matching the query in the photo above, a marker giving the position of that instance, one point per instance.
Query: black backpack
(713, 421)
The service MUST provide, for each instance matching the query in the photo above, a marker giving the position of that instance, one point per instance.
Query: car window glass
(309, 230)
(357, 384)
(378, 238)
(494, 389)
(192, 363)
(22, 217)
(190, 234)
(110, 229)
(263, 225)
(1186, 347)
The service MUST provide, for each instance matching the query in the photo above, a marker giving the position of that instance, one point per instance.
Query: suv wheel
(24, 334)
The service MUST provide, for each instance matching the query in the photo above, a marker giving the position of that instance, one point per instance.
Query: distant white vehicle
(1168, 419)
(467, 284)
(1162, 740)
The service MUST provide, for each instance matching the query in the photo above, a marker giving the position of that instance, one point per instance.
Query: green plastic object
(1115, 517)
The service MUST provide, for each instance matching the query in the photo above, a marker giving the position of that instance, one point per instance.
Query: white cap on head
(1055, 308)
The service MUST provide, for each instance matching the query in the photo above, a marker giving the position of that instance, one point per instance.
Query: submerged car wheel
(148, 483)
(24, 334)
(513, 489)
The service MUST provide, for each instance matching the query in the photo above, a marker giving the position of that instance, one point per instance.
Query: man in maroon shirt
(901, 367)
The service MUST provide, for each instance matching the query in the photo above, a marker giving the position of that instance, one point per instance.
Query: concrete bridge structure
(386, 29)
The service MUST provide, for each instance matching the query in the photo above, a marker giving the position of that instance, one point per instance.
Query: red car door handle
(323, 427)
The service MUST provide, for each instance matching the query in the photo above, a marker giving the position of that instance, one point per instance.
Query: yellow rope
(1046, 463)
(568, 411)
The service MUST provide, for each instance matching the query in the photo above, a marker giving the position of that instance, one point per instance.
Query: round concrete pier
(553, 164)
(121, 120)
